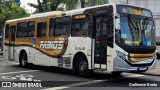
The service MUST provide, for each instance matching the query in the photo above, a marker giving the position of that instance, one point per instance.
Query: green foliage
(71, 4)
(52, 5)
(45, 5)
(158, 43)
(10, 10)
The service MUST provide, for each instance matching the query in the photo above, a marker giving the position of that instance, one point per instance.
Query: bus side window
(22, 29)
(41, 29)
(51, 26)
(7, 31)
(31, 28)
(80, 27)
(62, 26)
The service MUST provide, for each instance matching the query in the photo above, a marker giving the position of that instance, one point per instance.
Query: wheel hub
(23, 61)
(83, 66)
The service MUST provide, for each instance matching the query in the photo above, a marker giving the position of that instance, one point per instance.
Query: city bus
(115, 38)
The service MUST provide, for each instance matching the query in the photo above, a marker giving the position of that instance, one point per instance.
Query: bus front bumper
(124, 66)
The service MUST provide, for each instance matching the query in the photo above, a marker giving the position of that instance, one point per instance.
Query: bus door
(100, 55)
(11, 42)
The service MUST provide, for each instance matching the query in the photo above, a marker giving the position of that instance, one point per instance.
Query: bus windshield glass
(136, 30)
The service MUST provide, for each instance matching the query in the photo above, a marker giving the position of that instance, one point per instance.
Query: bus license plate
(142, 68)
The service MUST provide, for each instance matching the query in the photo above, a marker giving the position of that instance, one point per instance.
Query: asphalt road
(62, 79)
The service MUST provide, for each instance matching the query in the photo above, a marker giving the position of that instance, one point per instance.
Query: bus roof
(40, 15)
(78, 11)
(46, 13)
(71, 12)
(19, 19)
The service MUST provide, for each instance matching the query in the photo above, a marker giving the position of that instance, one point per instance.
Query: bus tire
(82, 66)
(158, 55)
(116, 73)
(23, 61)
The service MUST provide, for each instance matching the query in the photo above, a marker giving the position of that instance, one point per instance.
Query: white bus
(115, 38)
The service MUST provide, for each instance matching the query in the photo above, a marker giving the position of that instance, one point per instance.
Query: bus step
(99, 69)
(100, 66)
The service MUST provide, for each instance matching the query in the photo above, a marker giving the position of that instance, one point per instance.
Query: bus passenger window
(51, 32)
(62, 26)
(7, 31)
(80, 27)
(31, 26)
(41, 29)
(22, 29)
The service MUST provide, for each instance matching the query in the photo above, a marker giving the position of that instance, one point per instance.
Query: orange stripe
(142, 55)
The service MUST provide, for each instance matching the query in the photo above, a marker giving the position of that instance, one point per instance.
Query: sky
(27, 7)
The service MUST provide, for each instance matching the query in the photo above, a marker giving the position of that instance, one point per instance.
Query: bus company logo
(21, 84)
(6, 84)
(51, 44)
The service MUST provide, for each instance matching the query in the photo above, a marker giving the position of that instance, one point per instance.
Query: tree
(46, 5)
(71, 4)
(10, 10)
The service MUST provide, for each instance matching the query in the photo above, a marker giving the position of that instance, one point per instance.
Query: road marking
(89, 82)
(18, 72)
(22, 77)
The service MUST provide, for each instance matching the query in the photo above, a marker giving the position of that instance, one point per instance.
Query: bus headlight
(121, 55)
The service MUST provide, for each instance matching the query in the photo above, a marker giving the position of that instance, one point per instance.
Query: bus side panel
(53, 61)
(63, 59)
(31, 55)
(80, 44)
(110, 56)
(29, 51)
(17, 52)
(75, 45)
(6, 45)
(26, 45)
(41, 58)
(5, 52)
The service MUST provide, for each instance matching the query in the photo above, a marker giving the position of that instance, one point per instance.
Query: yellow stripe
(142, 55)
(137, 59)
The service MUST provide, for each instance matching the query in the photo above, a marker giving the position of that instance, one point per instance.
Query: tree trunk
(40, 6)
(82, 3)
(55, 6)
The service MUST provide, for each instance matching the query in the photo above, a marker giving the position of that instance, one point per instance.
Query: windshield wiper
(135, 29)
(133, 24)
(144, 23)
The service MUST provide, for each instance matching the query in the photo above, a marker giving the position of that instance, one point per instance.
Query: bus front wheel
(23, 60)
(158, 55)
(82, 66)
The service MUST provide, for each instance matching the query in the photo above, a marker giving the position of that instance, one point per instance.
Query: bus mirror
(117, 23)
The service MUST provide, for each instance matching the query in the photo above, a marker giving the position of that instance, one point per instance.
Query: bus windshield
(136, 31)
